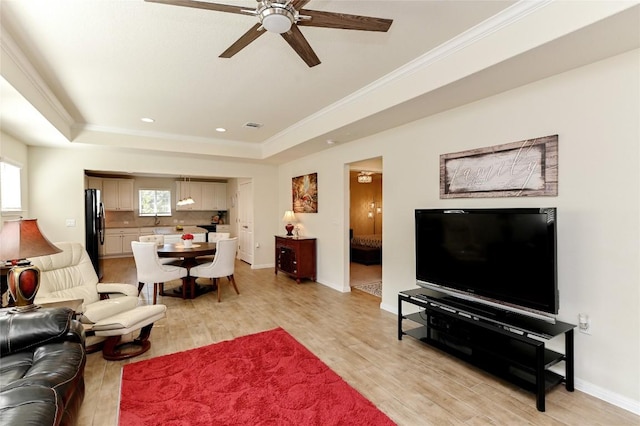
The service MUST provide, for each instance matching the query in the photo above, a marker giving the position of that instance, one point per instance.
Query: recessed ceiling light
(147, 120)
(221, 129)
(331, 142)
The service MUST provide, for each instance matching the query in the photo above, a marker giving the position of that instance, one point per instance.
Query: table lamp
(20, 239)
(288, 218)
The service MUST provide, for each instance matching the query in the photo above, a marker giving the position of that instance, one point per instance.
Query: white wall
(595, 111)
(57, 186)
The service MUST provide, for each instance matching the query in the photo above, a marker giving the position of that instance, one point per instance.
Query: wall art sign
(304, 190)
(518, 169)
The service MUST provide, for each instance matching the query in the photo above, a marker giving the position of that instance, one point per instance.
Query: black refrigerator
(94, 224)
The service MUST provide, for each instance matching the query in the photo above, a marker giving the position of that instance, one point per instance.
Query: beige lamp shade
(19, 240)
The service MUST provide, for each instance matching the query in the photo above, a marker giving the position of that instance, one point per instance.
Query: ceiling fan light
(276, 19)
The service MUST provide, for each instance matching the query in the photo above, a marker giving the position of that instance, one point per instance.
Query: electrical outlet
(584, 323)
(70, 223)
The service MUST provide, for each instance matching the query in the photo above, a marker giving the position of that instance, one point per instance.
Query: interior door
(245, 221)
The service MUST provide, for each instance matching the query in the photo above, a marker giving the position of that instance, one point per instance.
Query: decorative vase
(187, 243)
(23, 283)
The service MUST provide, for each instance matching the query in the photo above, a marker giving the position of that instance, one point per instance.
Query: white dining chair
(214, 237)
(159, 240)
(150, 270)
(223, 264)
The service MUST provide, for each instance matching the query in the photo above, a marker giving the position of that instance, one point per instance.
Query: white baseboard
(333, 286)
(608, 396)
(264, 266)
(389, 308)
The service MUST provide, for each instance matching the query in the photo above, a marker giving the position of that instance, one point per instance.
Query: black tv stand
(476, 308)
(510, 346)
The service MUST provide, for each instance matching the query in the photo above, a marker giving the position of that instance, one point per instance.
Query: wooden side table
(296, 256)
(4, 287)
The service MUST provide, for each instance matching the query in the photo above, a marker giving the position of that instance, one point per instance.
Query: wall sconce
(374, 209)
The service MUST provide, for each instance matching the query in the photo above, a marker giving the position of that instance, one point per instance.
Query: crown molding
(508, 16)
(18, 71)
(101, 135)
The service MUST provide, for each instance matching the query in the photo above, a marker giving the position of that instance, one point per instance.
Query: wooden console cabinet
(296, 256)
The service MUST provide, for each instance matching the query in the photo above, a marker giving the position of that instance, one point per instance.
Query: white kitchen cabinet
(220, 191)
(94, 183)
(223, 228)
(209, 201)
(189, 189)
(208, 196)
(117, 194)
(214, 196)
(117, 241)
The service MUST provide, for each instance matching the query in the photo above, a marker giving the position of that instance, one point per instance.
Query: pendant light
(188, 200)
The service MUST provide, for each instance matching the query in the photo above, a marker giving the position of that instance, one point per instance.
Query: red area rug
(264, 378)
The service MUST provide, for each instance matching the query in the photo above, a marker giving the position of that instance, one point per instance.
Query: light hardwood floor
(412, 383)
(364, 274)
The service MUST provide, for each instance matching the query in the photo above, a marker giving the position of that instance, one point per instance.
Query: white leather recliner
(109, 310)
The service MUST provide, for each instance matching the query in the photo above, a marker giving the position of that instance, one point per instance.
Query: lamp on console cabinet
(288, 218)
(20, 239)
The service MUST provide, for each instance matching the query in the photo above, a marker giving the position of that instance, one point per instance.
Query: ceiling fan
(283, 17)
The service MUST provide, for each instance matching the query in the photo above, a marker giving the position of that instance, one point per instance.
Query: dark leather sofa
(42, 360)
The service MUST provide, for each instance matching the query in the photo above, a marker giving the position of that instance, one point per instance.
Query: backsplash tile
(130, 219)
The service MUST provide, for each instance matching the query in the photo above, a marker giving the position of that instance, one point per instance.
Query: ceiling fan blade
(299, 4)
(344, 21)
(203, 5)
(243, 41)
(300, 44)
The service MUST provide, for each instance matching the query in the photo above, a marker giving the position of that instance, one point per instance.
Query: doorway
(365, 226)
(245, 220)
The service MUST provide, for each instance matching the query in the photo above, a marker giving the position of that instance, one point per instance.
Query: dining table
(188, 258)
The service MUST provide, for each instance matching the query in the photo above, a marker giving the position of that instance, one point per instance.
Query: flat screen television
(505, 258)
